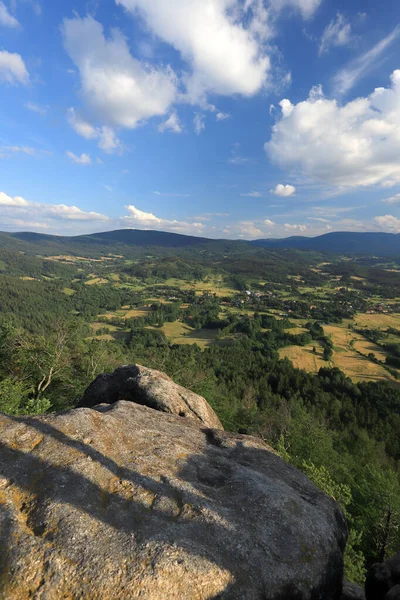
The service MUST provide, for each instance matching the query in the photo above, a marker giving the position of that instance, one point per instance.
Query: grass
(180, 333)
(303, 357)
(68, 291)
(96, 281)
(378, 321)
(347, 346)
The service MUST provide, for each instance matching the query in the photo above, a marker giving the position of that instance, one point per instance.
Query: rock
(157, 507)
(150, 388)
(351, 591)
(383, 580)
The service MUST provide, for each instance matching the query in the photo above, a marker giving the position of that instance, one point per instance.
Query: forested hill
(343, 242)
(129, 237)
(352, 243)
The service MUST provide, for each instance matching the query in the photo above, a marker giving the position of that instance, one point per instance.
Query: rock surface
(383, 580)
(351, 591)
(150, 388)
(122, 501)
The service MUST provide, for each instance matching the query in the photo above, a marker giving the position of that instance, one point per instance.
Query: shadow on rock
(123, 501)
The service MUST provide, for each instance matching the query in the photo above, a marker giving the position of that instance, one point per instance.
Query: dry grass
(359, 368)
(378, 321)
(96, 281)
(345, 356)
(180, 333)
(136, 312)
(303, 357)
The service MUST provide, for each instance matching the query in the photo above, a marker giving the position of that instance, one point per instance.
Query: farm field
(350, 354)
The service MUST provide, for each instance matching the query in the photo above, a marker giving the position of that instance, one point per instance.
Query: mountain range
(353, 243)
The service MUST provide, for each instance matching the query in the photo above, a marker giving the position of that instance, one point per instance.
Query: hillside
(354, 243)
(342, 242)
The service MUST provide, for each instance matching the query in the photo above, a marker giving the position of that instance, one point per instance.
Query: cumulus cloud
(389, 223)
(147, 220)
(337, 33)
(283, 190)
(6, 19)
(12, 68)
(171, 124)
(221, 40)
(18, 212)
(357, 144)
(119, 90)
(347, 77)
(83, 159)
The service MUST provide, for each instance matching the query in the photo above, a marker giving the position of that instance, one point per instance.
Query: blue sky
(220, 118)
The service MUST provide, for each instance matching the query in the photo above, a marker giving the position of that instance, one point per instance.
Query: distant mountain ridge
(342, 242)
(355, 243)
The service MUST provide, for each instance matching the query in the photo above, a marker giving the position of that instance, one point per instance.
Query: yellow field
(180, 333)
(346, 343)
(136, 312)
(96, 281)
(97, 326)
(214, 286)
(304, 357)
(378, 321)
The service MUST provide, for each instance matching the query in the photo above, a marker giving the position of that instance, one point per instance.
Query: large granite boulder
(150, 388)
(124, 502)
(351, 591)
(383, 580)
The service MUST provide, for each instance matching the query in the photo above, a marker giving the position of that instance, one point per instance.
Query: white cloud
(17, 211)
(171, 124)
(6, 200)
(146, 220)
(6, 18)
(393, 199)
(293, 227)
(12, 68)
(252, 194)
(388, 222)
(346, 78)
(357, 144)
(108, 140)
(41, 110)
(283, 190)
(220, 39)
(337, 33)
(105, 136)
(199, 124)
(306, 7)
(83, 159)
(80, 126)
(269, 223)
(221, 116)
(119, 90)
